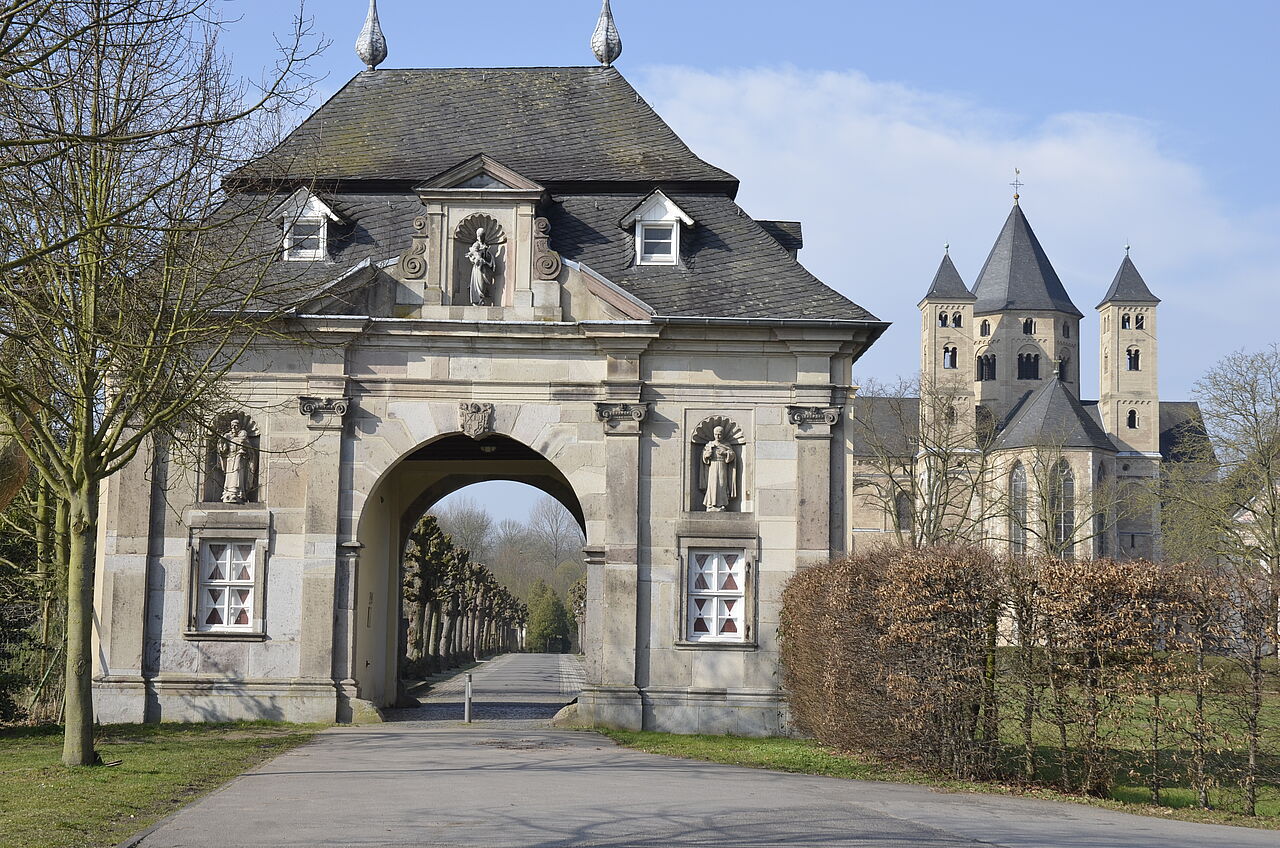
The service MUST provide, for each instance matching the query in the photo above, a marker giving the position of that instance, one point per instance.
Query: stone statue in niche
(478, 261)
(233, 461)
(483, 266)
(717, 480)
(718, 459)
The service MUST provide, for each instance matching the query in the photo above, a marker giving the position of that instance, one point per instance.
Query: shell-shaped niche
(705, 431)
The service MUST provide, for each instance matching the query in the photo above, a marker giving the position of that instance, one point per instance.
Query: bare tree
(923, 455)
(469, 525)
(1223, 498)
(133, 283)
(555, 530)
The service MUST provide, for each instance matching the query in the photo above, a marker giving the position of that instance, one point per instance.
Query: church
(524, 274)
(1032, 467)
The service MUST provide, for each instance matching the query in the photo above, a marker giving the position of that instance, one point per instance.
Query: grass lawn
(805, 756)
(43, 803)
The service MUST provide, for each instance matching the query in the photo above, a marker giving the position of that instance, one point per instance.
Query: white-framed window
(227, 586)
(306, 240)
(657, 243)
(304, 227)
(716, 596)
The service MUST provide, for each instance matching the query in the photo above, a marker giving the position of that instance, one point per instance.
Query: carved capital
(475, 419)
(802, 415)
(325, 413)
(622, 416)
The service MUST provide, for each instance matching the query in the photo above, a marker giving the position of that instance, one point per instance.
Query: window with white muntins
(658, 244)
(717, 596)
(306, 240)
(226, 586)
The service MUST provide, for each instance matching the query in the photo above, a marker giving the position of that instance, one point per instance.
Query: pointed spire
(1128, 286)
(1018, 274)
(947, 284)
(371, 46)
(605, 41)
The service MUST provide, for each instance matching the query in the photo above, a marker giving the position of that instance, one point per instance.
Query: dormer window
(658, 244)
(304, 225)
(658, 222)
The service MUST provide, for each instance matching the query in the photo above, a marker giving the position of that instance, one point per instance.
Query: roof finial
(946, 248)
(605, 41)
(1017, 184)
(371, 46)
(1126, 248)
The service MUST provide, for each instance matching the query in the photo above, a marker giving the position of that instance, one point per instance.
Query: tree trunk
(77, 747)
(433, 637)
(445, 649)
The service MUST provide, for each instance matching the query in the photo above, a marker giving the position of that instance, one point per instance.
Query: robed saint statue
(235, 458)
(483, 267)
(716, 477)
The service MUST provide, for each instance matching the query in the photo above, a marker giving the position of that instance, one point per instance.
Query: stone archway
(410, 487)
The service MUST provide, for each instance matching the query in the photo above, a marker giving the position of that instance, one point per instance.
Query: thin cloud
(882, 175)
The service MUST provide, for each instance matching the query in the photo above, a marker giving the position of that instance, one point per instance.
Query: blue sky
(891, 128)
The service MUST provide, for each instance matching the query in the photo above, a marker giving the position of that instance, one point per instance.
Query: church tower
(1028, 330)
(1129, 397)
(946, 348)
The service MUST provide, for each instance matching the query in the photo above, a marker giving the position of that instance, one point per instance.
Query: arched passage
(414, 484)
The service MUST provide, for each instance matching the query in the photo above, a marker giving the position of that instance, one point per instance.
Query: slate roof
(947, 284)
(582, 133)
(730, 266)
(1128, 286)
(789, 234)
(1182, 431)
(553, 125)
(1018, 274)
(1052, 416)
(895, 421)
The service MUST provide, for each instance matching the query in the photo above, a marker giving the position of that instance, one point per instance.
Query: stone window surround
(735, 532)
(228, 525)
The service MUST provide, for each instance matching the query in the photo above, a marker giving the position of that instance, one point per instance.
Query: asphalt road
(508, 780)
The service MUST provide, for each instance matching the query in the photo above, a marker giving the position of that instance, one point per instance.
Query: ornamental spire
(605, 41)
(371, 46)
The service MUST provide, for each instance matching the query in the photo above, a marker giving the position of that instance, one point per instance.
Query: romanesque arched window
(1140, 322)
(1029, 327)
(1066, 329)
(984, 329)
(1063, 372)
(987, 367)
(1028, 366)
(1062, 508)
(942, 319)
(1133, 419)
(1134, 359)
(904, 512)
(949, 355)
(1125, 321)
(1018, 509)
(956, 319)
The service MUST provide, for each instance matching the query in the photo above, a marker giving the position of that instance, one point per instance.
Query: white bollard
(466, 704)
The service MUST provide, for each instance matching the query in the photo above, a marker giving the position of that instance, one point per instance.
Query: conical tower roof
(1052, 418)
(947, 284)
(1018, 275)
(1128, 286)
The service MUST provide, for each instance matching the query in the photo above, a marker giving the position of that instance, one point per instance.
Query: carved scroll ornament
(546, 262)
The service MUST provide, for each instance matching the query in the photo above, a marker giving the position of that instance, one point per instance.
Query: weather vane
(1017, 184)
